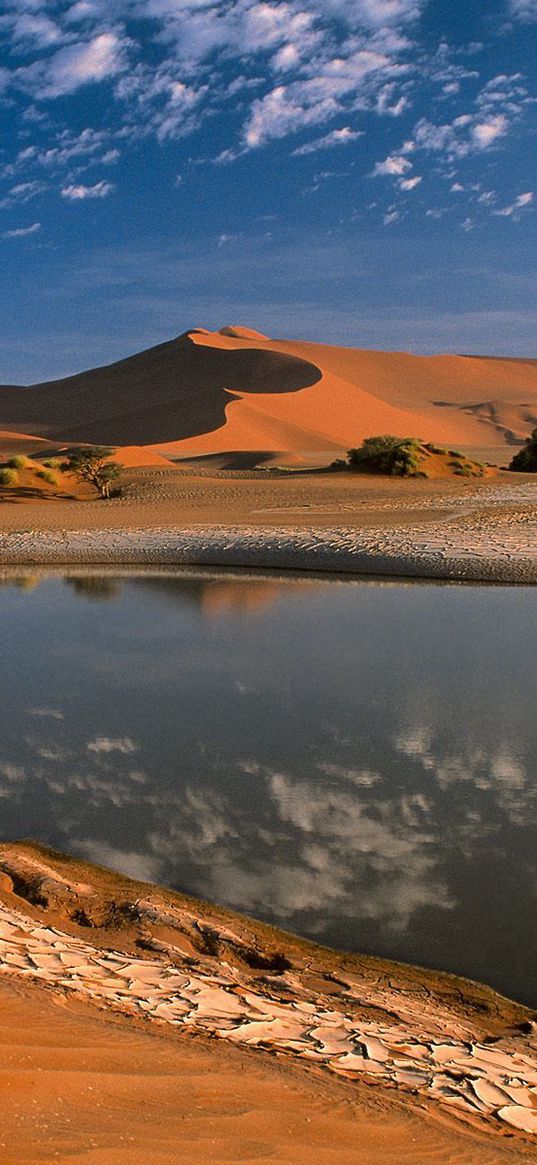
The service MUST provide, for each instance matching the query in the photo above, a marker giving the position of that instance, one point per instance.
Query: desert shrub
(8, 476)
(47, 475)
(18, 462)
(525, 461)
(396, 456)
(455, 453)
(461, 470)
(52, 463)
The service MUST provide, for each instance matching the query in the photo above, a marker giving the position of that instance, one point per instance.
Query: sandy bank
(389, 1063)
(486, 547)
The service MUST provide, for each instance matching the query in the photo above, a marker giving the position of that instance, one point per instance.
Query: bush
(396, 456)
(52, 463)
(47, 475)
(8, 477)
(18, 462)
(525, 461)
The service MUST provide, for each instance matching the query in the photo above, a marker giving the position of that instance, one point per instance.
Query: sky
(361, 172)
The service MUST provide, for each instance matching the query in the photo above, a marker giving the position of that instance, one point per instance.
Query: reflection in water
(94, 586)
(355, 763)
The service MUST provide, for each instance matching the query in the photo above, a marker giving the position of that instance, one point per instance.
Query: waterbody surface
(354, 761)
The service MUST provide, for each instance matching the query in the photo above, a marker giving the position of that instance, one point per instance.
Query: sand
(479, 531)
(174, 1028)
(212, 392)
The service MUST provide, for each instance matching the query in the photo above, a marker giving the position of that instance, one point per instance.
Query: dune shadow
(169, 393)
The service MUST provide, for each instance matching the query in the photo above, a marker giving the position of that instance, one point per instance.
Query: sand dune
(208, 393)
(134, 456)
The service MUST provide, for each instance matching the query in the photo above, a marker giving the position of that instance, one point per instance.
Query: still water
(353, 761)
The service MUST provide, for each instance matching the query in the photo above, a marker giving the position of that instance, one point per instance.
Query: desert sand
(145, 1018)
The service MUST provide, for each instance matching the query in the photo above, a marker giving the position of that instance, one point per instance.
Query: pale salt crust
(494, 1081)
(491, 547)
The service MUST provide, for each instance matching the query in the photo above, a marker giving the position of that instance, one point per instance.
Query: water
(353, 761)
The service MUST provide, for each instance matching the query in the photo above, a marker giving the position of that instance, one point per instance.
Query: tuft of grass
(47, 475)
(52, 463)
(8, 476)
(18, 462)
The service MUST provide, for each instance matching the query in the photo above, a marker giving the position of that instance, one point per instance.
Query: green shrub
(525, 461)
(52, 462)
(18, 462)
(396, 456)
(47, 475)
(8, 477)
(462, 470)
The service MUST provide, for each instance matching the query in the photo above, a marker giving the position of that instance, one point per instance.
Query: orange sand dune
(133, 456)
(241, 333)
(450, 399)
(208, 393)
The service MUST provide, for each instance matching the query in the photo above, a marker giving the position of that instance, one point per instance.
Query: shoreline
(481, 547)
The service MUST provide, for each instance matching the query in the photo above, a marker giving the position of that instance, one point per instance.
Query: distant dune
(208, 393)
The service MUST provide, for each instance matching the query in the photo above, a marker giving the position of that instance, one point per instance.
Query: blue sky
(360, 171)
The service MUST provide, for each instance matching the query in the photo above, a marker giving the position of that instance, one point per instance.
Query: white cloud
(286, 110)
(79, 193)
(30, 30)
(22, 232)
(393, 165)
(81, 148)
(525, 10)
(485, 133)
(281, 67)
(521, 202)
(336, 137)
(76, 65)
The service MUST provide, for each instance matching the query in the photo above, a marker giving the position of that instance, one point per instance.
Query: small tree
(525, 461)
(91, 463)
